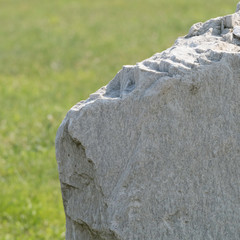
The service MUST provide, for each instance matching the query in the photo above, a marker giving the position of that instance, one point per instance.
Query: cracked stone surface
(155, 154)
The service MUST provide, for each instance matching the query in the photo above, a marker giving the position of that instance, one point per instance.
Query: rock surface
(156, 153)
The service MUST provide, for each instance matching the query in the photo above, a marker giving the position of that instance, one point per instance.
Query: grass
(52, 55)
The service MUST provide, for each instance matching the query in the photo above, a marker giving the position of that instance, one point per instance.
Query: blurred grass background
(52, 55)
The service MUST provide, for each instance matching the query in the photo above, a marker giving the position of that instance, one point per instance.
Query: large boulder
(155, 154)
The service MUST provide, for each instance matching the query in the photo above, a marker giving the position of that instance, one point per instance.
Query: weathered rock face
(156, 153)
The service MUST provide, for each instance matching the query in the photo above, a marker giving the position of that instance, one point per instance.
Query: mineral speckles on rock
(155, 153)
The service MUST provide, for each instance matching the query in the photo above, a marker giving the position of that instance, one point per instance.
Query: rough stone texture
(155, 154)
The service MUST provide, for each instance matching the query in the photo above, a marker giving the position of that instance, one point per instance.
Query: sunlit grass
(53, 54)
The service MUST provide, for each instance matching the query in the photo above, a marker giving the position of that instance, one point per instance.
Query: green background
(52, 55)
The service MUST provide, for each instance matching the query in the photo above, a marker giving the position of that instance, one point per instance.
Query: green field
(52, 55)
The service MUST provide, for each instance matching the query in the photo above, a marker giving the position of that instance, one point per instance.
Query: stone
(238, 7)
(155, 154)
(236, 31)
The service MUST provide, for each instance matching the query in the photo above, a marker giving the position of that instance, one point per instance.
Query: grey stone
(155, 154)
(236, 31)
(238, 7)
